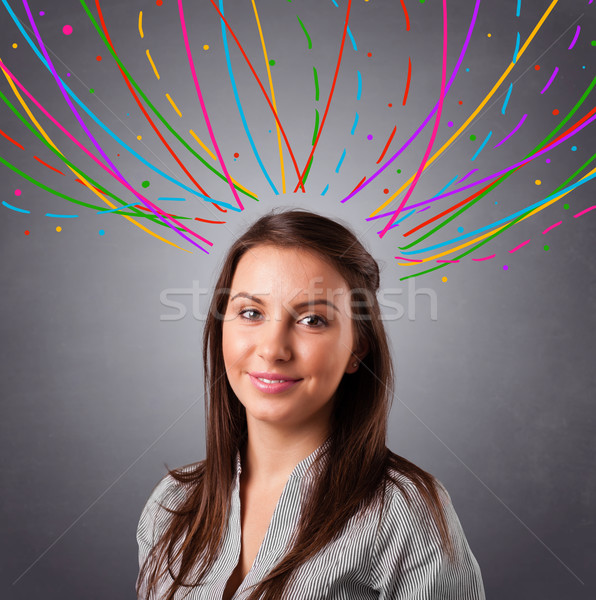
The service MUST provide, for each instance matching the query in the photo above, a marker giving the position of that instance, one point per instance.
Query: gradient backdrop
(102, 318)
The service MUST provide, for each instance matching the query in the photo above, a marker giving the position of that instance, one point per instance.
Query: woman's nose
(274, 341)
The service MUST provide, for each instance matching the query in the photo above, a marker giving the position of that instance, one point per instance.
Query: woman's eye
(244, 312)
(315, 321)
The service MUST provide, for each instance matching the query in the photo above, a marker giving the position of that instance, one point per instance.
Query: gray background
(495, 396)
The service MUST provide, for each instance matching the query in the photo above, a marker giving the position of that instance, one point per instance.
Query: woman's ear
(358, 354)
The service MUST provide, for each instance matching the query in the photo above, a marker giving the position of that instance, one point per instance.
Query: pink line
(552, 78)
(408, 259)
(585, 211)
(447, 261)
(518, 247)
(575, 36)
(435, 128)
(203, 107)
(512, 132)
(549, 228)
(144, 200)
(486, 257)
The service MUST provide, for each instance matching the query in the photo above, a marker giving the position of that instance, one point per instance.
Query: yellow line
(152, 64)
(86, 183)
(194, 135)
(473, 115)
(471, 242)
(281, 154)
(173, 103)
(141, 24)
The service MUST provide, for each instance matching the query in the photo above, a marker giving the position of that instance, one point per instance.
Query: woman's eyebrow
(296, 306)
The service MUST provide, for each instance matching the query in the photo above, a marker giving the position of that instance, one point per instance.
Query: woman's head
(296, 264)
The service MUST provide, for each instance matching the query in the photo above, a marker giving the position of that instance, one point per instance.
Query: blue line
(239, 105)
(482, 145)
(343, 155)
(164, 198)
(441, 191)
(111, 210)
(507, 99)
(336, 4)
(325, 190)
(359, 92)
(22, 210)
(355, 123)
(351, 38)
(106, 129)
(506, 219)
(62, 216)
(400, 220)
(518, 8)
(516, 49)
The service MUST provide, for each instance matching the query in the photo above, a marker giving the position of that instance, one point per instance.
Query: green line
(314, 133)
(157, 113)
(564, 184)
(314, 70)
(305, 32)
(505, 176)
(65, 197)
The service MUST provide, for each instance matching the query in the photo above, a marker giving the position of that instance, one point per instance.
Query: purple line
(511, 168)
(466, 176)
(146, 202)
(512, 132)
(575, 36)
(552, 78)
(426, 121)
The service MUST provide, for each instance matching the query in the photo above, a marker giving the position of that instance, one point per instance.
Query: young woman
(298, 496)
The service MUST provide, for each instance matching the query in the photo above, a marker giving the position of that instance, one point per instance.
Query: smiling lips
(272, 383)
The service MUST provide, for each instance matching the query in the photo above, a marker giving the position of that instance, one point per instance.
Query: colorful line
(482, 146)
(507, 99)
(305, 33)
(316, 76)
(21, 210)
(152, 64)
(403, 5)
(174, 105)
(354, 124)
(513, 131)
(407, 90)
(575, 37)
(341, 160)
(552, 78)
(387, 144)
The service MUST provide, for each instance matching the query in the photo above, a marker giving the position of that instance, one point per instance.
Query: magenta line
(447, 261)
(549, 228)
(518, 247)
(409, 259)
(466, 176)
(507, 169)
(435, 128)
(155, 209)
(95, 159)
(552, 78)
(432, 112)
(575, 36)
(514, 130)
(585, 211)
(486, 257)
(203, 107)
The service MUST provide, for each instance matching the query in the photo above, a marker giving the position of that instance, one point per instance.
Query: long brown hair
(358, 465)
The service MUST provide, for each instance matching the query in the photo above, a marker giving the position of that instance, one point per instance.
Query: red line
(264, 92)
(95, 188)
(386, 145)
(408, 80)
(141, 207)
(341, 50)
(406, 15)
(45, 164)
(207, 220)
(134, 95)
(11, 140)
(359, 183)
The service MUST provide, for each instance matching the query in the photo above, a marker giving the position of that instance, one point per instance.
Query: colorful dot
(67, 30)
(472, 137)
(398, 171)
(505, 267)
(17, 192)
(573, 148)
(548, 161)
(58, 228)
(467, 69)
(68, 74)
(422, 1)
(92, 91)
(450, 124)
(139, 137)
(41, 13)
(236, 155)
(206, 47)
(159, 2)
(98, 58)
(565, 206)
(145, 184)
(117, 155)
(385, 191)
(460, 229)
(444, 279)
(390, 105)
(369, 54)
(369, 136)
(15, 45)
(537, 67)
(538, 182)
(546, 247)
(556, 111)
(26, 232)
(496, 202)
(489, 34)
(593, 42)
(101, 232)
(271, 62)
(461, 102)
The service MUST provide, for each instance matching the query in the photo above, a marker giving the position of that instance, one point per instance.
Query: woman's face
(287, 318)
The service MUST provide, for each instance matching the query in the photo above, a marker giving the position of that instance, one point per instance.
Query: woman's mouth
(272, 384)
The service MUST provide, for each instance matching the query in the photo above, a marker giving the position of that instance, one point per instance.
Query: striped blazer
(398, 560)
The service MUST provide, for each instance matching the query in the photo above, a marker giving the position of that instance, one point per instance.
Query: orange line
(387, 145)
